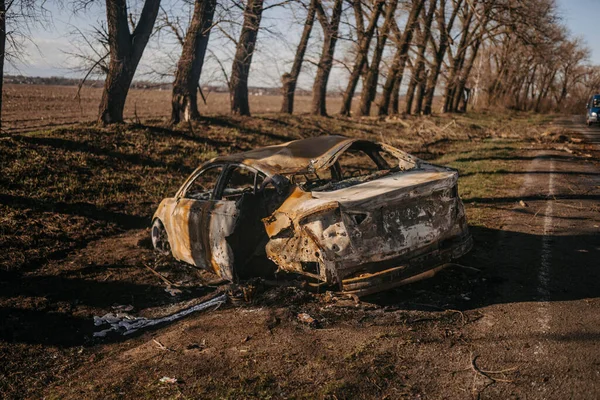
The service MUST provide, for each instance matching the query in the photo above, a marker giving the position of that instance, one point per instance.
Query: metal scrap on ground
(125, 324)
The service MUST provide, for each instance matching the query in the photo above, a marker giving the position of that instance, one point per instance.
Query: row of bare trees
(430, 53)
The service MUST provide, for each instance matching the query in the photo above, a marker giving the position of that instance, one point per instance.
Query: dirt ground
(517, 318)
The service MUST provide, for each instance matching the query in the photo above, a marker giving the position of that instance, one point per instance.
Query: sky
(46, 53)
(581, 18)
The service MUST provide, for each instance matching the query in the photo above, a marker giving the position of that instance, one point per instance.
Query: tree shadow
(190, 135)
(553, 157)
(500, 200)
(504, 267)
(505, 172)
(87, 210)
(57, 309)
(85, 147)
(228, 122)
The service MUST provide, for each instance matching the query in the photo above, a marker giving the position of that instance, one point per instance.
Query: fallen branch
(165, 280)
(570, 206)
(487, 374)
(161, 346)
(464, 266)
(462, 315)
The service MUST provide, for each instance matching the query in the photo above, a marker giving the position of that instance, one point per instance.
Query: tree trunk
(289, 80)
(396, 94)
(564, 90)
(330, 34)
(417, 73)
(458, 60)
(438, 58)
(460, 89)
(369, 90)
(238, 86)
(360, 31)
(361, 58)
(394, 77)
(2, 51)
(126, 50)
(421, 91)
(185, 89)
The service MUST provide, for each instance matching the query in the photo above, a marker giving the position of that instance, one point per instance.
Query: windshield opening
(361, 162)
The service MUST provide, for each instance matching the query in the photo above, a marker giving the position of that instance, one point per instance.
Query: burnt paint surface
(198, 232)
(355, 231)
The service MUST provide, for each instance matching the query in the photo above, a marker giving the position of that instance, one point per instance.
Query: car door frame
(221, 218)
(188, 219)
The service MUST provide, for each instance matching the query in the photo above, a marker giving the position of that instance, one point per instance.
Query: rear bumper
(423, 266)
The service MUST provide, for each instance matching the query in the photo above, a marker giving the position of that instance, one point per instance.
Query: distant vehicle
(360, 214)
(593, 108)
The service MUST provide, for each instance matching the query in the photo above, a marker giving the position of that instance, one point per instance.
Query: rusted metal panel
(221, 222)
(367, 224)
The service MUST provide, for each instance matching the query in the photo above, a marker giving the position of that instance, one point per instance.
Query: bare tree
(439, 51)
(2, 51)
(185, 89)
(238, 90)
(419, 65)
(394, 77)
(570, 69)
(16, 19)
(290, 79)
(369, 89)
(361, 56)
(330, 36)
(457, 59)
(126, 49)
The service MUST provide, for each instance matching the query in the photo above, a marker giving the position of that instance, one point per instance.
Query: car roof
(290, 157)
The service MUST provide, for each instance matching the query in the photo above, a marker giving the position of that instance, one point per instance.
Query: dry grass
(62, 188)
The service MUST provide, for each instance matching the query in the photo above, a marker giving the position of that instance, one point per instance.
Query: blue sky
(581, 17)
(45, 54)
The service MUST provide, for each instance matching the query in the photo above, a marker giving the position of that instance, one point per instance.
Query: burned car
(354, 213)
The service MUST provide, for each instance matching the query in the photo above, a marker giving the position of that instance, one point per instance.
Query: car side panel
(184, 222)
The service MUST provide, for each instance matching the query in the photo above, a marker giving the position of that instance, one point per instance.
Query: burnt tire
(160, 240)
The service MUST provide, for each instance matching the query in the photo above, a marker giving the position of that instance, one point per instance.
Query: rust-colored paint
(197, 232)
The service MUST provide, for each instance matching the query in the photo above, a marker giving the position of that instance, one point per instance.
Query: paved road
(545, 317)
(576, 125)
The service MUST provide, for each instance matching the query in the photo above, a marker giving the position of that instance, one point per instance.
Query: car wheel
(160, 240)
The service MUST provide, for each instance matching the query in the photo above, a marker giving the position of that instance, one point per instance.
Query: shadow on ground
(504, 268)
(508, 271)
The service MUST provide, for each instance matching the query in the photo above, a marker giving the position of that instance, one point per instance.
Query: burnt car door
(188, 217)
(235, 232)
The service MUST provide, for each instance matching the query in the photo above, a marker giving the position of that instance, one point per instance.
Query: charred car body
(354, 213)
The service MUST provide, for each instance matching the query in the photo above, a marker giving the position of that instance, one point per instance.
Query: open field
(34, 107)
(75, 205)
